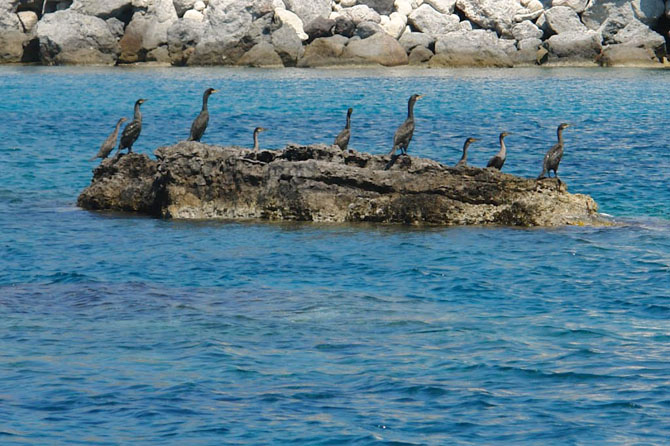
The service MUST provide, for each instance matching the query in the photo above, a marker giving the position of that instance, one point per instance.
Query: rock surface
(191, 180)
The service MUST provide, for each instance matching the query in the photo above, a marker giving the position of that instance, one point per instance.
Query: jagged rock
(344, 26)
(575, 45)
(379, 48)
(491, 14)
(192, 14)
(411, 40)
(420, 55)
(443, 6)
(323, 52)
(286, 17)
(526, 53)
(116, 27)
(8, 18)
(361, 13)
(183, 37)
(200, 5)
(578, 5)
(383, 7)
(147, 30)
(28, 20)
(159, 55)
(321, 183)
(104, 9)
(633, 33)
(626, 55)
(526, 30)
(427, 20)
(622, 11)
(403, 7)
(309, 10)
(470, 48)
(395, 25)
(288, 45)
(367, 29)
(68, 37)
(319, 27)
(12, 44)
(181, 6)
(262, 54)
(561, 19)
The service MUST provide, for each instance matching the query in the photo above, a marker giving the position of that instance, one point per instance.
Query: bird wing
(496, 162)
(403, 135)
(131, 132)
(553, 157)
(342, 140)
(199, 126)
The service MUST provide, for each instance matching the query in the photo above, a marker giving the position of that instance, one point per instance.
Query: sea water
(121, 329)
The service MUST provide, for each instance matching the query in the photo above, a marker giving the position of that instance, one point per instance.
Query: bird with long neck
(499, 159)
(132, 131)
(464, 159)
(342, 139)
(257, 130)
(553, 157)
(109, 144)
(403, 136)
(200, 123)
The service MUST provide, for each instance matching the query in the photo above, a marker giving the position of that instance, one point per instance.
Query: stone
(200, 6)
(8, 18)
(12, 44)
(465, 25)
(578, 5)
(262, 54)
(323, 52)
(443, 6)
(183, 37)
(344, 26)
(192, 14)
(287, 17)
(574, 45)
(526, 30)
(635, 34)
(320, 183)
(403, 7)
(104, 9)
(147, 30)
(626, 55)
(116, 26)
(526, 53)
(470, 48)
(319, 27)
(361, 13)
(411, 40)
(288, 45)
(379, 48)
(68, 37)
(420, 55)
(427, 20)
(28, 20)
(309, 10)
(396, 25)
(491, 14)
(159, 55)
(348, 3)
(367, 29)
(181, 6)
(622, 11)
(561, 19)
(383, 7)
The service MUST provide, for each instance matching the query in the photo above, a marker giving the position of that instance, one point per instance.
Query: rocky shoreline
(319, 33)
(320, 183)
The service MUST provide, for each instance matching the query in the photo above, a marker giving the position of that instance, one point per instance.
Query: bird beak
(420, 96)
(215, 91)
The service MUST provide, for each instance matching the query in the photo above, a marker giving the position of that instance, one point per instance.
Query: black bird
(464, 159)
(200, 124)
(257, 130)
(342, 140)
(109, 144)
(553, 157)
(132, 131)
(499, 159)
(403, 135)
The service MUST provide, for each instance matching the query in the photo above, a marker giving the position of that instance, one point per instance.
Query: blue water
(121, 329)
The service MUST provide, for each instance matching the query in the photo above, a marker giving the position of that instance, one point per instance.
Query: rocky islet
(314, 33)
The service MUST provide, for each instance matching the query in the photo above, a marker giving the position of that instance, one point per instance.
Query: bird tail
(543, 174)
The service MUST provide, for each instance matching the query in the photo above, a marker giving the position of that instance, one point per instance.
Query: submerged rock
(191, 180)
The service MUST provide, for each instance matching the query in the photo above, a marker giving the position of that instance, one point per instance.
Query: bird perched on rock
(132, 131)
(499, 159)
(257, 130)
(553, 157)
(200, 123)
(404, 134)
(464, 159)
(342, 140)
(109, 144)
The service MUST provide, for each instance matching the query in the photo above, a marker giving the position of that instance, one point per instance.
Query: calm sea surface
(121, 329)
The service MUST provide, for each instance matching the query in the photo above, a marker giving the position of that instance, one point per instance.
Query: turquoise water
(119, 329)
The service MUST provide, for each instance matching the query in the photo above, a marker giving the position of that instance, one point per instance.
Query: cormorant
(499, 159)
(342, 140)
(403, 135)
(257, 130)
(200, 124)
(464, 159)
(110, 142)
(132, 131)
(553, 157)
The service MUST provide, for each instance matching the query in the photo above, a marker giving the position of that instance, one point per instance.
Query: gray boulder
(116, 26)
(104, 9)
(383, 7)
(181, 6)
(578, 5)
(147, 30)
(634, 34)
(319, 27)
(367, 29)
(420, 55)
(443, 6)
(183, 37)
(309, 10)
(344, 26)
(623, 11)
(8, 19)
(526, 53)
(470, 48)
(12, 44)
(574, 46)
(379, 48)
(526, 30)
(491, 14)
(28, 20)
(262, 54)
(323, 52)
(561, 19)
(626, 55)
(410, 40)
(68, 37)
(361, 13)
(427, 20)
(288, 45)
